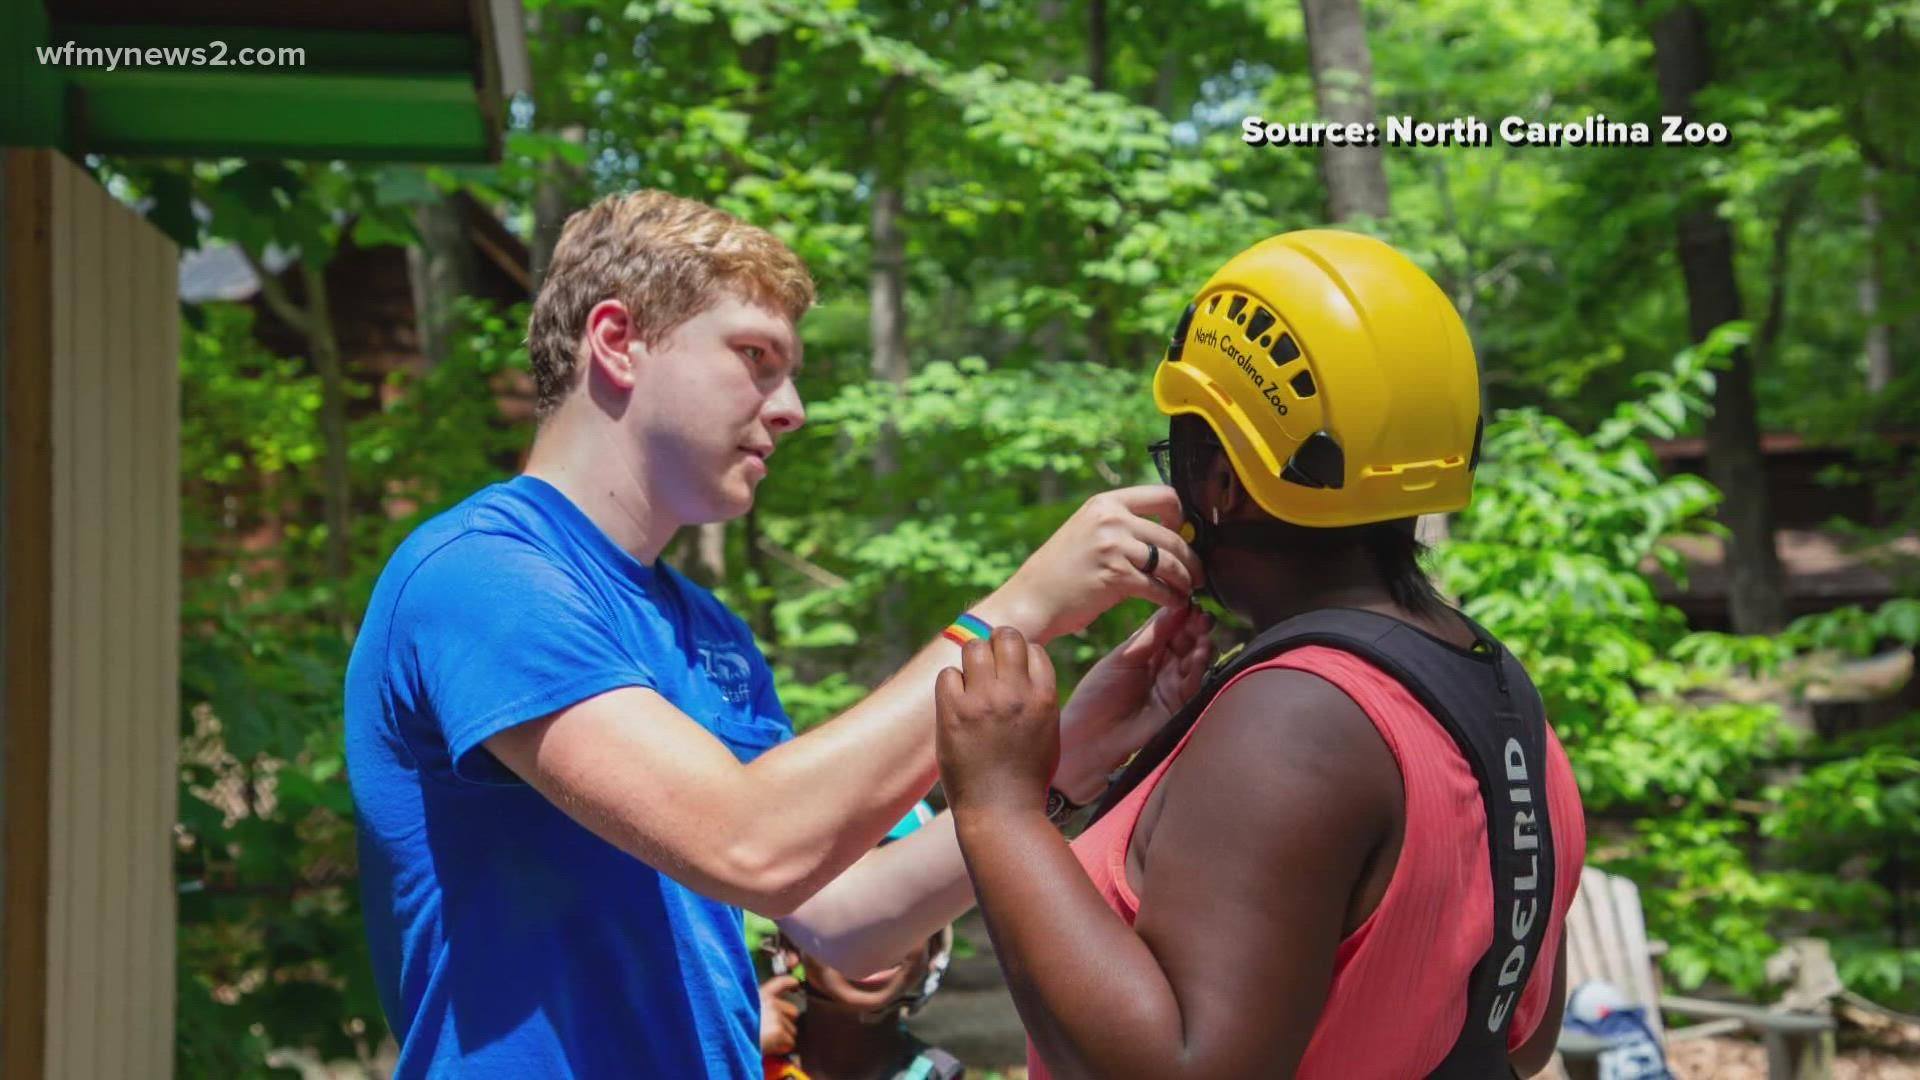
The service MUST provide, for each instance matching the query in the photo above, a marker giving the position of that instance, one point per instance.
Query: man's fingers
(1178, 566)
(781, 984)
(1151, 500)
(1168, 594)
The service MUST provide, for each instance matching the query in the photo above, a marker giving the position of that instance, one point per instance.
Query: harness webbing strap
(1488, 705)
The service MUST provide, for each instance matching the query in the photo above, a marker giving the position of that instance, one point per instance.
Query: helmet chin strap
(1206, 537)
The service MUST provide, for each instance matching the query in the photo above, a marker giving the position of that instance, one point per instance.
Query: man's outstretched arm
(897, 895)
(647, 778)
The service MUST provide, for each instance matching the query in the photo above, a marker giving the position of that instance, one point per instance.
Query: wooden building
(372, 293)
(1825, 567)
(1820, 494)
(88, 416)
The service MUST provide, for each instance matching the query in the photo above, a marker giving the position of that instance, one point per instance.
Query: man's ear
(613, 348)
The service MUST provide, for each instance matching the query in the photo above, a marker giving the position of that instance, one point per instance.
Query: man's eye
(754, 352)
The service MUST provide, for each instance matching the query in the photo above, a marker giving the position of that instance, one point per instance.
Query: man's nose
(784, 411)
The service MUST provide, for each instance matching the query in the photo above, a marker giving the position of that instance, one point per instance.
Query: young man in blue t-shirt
(560, 747)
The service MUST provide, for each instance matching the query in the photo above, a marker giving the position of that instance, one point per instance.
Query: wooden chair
(1607, 940)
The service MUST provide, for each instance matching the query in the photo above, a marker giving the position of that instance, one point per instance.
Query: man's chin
(732, 505)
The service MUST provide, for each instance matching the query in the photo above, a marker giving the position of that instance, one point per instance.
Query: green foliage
(1552, 553)
(272, 950)
(1053, 231)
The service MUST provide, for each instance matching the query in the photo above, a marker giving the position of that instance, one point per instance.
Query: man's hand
(998, 736)
(779, 1018)
(1099, 558)
(1129, 694)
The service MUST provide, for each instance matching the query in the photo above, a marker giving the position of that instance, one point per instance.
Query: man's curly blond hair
(665, 257)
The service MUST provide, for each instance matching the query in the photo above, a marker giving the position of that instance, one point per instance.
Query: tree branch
(276, 296)
(1790, 214)
(819, 575)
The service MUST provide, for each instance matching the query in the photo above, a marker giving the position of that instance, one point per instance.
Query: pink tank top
(1409, 960)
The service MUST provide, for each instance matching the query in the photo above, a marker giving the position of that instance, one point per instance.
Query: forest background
(1005, 207)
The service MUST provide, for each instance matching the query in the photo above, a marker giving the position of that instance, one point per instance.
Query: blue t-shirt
(507, 939)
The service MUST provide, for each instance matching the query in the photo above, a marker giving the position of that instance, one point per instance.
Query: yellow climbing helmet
(1337, 376)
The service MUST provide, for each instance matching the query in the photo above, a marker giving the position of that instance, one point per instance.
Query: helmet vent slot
(1259, 324)
(1213, 305)
(1285, 351)
(1303, 384)
(1179, 343)
(1319, 463)
(1234, 309)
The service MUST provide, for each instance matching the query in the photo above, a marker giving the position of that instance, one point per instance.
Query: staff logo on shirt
(729, 671)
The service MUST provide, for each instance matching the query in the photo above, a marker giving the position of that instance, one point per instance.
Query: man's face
(715, 395)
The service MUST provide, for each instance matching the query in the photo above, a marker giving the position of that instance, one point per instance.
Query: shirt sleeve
(493, 633)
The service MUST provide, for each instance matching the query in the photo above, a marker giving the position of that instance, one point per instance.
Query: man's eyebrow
(786, 347)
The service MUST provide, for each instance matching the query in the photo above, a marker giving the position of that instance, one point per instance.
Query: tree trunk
(1097, 43)
(1756, 586)
(1356, 176)
(761, 613)
(887, 329)
(887, 320)
(313, 321)
(557, 191)
(336, 491)
(1100, 325)
(1879, 334)
(711, 552)
(443, 269)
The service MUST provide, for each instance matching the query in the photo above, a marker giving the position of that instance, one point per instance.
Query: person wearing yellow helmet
(1362, 821)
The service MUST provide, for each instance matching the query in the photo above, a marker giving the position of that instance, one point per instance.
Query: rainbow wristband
(968, 627)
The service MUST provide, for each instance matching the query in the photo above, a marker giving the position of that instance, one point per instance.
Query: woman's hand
(1129, 694)
(998, 731)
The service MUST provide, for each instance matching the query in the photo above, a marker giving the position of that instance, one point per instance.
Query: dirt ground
(1737, 1059)
(1733, 1059)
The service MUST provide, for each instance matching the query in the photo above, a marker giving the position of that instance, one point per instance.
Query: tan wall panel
(141, 649)
(111, 917)
(26, 826)
(158, 740)
(167, 618)
(119, 617)
(66, 276)
(80, 466)
(93, 910)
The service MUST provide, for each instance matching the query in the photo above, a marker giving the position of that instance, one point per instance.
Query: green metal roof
(321, 79)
